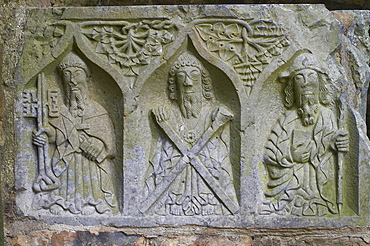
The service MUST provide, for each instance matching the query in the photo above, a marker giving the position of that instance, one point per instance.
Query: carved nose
(305, 82)
(188, 81)
(73, 80)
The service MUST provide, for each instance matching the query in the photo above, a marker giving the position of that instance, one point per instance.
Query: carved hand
(161, 113)
(341, 141)
(300, 154)
(91, 147)
(39, 139)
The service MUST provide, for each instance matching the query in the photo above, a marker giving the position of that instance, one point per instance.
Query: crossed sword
(191, 156)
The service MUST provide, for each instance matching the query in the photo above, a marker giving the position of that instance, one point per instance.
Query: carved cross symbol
(191, 156)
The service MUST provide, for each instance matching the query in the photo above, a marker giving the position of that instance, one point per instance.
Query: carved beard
(76, 102)
(308, 109)
(190, 105)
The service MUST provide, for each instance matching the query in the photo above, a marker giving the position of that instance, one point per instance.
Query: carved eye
(66, 73)
(194, 74)
(181, 75)
(298, 77)
(79, 72)
(312, 75)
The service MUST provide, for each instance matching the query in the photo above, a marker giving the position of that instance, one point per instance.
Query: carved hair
(189, 60)
(73, 60)
(324, 93)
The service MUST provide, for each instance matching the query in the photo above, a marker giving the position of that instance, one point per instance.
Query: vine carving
(248, 48)
(130, 45)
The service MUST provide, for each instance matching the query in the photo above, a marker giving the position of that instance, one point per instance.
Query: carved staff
(46, 179)
(341, 108)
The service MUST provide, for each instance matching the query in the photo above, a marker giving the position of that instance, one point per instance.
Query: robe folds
(302, 188)
(82, 182)
(189, 194)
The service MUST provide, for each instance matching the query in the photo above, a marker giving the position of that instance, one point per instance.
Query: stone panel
(227, 116)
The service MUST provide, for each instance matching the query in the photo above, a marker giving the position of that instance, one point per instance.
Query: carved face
(189, 82)
(188, 79)
(74, 77)
(306, 88)
(306, 83)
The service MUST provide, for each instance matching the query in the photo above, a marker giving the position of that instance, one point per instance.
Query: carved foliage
(247, 48)
(49, 36)
(130, 45)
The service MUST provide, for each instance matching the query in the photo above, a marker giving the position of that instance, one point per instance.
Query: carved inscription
(190, 172)
(248, 48)
(130, 45)
(75, 143)
(304, 151)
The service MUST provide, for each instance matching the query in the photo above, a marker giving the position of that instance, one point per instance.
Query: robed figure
(193, 143)
(83, 145)
(302, 151)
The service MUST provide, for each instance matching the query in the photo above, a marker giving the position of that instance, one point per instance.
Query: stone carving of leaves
(247, 48)
(131, 45)
(49, 37)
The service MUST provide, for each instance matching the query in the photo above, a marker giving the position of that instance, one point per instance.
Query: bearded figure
(189, 137)
(301, 154)
(82, 141)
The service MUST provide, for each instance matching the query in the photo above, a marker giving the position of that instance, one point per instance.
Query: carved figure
(303, 152)
(190, 162)
(82, 141)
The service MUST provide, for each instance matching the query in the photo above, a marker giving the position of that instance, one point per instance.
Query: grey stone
(227, 116)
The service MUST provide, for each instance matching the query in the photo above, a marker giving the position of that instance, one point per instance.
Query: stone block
(221, 116)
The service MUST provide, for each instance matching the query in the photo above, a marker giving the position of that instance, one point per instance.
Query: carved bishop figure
(82, 142)
(302, 156)
(190, 172)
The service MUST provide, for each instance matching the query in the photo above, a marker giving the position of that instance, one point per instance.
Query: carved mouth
(188, 90)
(307, 93)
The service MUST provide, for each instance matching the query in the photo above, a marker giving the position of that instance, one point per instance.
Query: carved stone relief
(75, 144)
(304, 153)
(174, 116)
(248, 48)
(49, 37)
(190, 161)
(130, 45)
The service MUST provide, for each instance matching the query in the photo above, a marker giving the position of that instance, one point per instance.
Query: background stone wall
(330, 4)
(20, 231)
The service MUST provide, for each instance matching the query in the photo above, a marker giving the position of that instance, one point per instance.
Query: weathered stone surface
(227, 116)
(197, 236)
